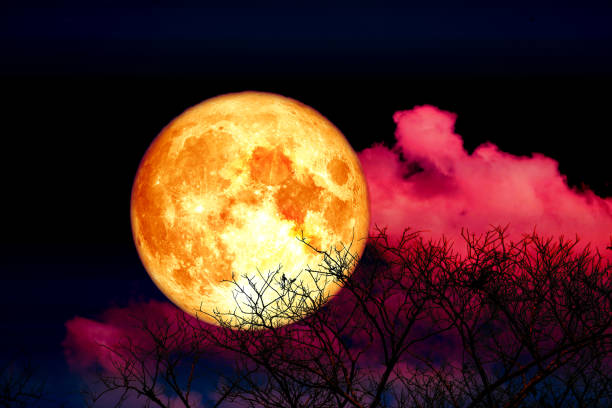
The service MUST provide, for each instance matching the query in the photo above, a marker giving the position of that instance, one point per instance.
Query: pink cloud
(88, 341)
(118, 334)
(428, 182)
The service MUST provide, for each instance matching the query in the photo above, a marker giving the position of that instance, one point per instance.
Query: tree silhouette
(19, 385)
(508, 324)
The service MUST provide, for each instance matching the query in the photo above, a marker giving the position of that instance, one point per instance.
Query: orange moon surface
(227, 187)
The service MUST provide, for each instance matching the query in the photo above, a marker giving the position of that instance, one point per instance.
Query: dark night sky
(86, 87)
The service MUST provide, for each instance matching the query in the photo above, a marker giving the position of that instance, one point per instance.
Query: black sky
(87, 86)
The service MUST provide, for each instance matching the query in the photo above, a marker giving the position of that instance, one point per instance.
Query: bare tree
(159, 367)
(19, 385)
(533, 317)
(525, 323)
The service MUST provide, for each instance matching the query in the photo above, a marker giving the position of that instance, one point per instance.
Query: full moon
(225, 190)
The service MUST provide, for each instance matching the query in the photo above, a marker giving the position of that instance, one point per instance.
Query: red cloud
(87, 341)
(428, 182)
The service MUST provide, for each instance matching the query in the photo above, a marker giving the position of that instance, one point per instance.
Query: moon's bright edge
(228, 185)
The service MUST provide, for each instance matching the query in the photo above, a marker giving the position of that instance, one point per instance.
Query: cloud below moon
(429, 182)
